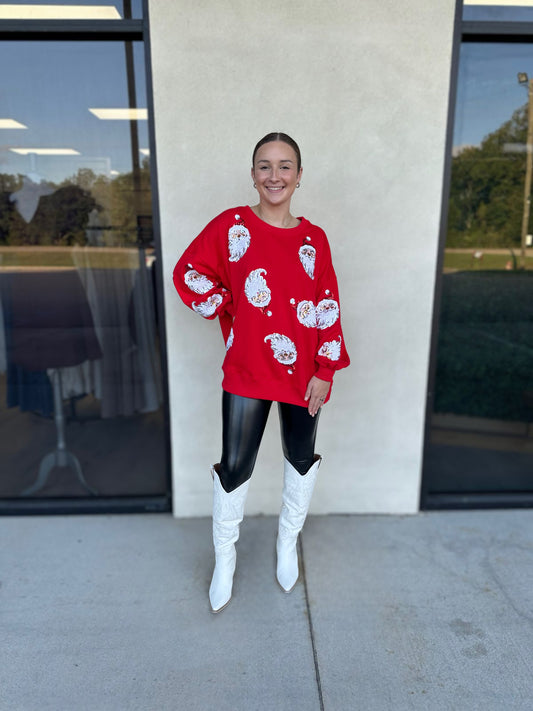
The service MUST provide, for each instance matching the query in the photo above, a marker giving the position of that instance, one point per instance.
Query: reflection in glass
(80, 375)
(80, 10)
(498, 10)
(481, 437)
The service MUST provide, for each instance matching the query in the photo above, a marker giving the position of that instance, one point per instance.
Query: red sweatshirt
(275, 292)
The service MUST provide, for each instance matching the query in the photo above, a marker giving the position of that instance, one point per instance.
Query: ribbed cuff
(325, 373)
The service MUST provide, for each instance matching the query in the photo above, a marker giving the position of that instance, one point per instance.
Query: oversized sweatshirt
(275, 293)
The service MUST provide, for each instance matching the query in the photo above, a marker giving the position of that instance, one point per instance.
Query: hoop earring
(297, 185)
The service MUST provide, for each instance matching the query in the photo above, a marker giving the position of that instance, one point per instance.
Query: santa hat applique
(207, 308)
(197, 282)
(331, 349)
(283, 349)
(257, 291)
(238, 239)
(327, 311)
(305, 312)
(307, 254)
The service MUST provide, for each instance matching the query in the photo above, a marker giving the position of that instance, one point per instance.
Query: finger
(314, 405)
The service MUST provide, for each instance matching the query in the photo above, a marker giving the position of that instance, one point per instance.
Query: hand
(316, 393)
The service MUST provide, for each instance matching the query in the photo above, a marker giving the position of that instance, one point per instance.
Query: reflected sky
(50, 87)
(488, 90)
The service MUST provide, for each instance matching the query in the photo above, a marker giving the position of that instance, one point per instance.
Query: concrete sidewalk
(429, 612)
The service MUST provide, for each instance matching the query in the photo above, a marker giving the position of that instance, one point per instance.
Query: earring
(297, 185)
(255, 185)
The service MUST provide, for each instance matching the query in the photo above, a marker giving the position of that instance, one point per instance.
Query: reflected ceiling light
(58, 12)
(144, 151)
(120, 114)
(501, 3)
(11, 123)
(46, 151)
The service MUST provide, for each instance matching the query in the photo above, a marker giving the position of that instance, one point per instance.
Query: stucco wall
(363, 87)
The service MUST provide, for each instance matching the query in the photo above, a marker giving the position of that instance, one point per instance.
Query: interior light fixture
(58, 12)
(11, 123)
(501, 3)
(46, 151)
(120, 114)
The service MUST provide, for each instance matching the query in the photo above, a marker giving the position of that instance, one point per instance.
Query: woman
(268, 277)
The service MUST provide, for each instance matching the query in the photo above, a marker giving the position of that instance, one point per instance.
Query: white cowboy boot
(228, 512)
(297, 492)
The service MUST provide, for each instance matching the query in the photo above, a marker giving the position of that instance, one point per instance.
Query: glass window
(81, 10)
(498, 10)
(80, 371)
(481, 439)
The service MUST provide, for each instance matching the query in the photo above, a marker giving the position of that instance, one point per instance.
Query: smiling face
(275, 173)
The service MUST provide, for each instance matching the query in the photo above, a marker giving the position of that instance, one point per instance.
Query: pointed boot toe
(287, 571)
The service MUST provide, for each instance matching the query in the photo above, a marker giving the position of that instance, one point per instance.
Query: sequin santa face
(306, 314)
(331, 350)
(283, 348)
(238, 240)
(307, 254)
(197, 282)
(327, 312)
(229, 342)
(207, 308)
(256, 289)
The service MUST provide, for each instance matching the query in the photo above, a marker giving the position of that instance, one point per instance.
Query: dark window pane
(518, 11)
(482, 426)
(80, 375)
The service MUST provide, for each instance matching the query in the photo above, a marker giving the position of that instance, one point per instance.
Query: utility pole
(524, 80)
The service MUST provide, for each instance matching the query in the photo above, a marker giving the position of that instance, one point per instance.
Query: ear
(252, 172)
(300, 174)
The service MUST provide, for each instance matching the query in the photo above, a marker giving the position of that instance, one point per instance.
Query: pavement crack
(310, 621)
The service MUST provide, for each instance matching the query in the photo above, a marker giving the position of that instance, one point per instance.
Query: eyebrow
(283, 160)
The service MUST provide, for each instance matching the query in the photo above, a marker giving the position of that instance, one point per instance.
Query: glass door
(81, 394)
(480, 445)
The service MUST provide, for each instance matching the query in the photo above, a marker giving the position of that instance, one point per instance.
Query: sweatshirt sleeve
(331, 351)
(201, 274)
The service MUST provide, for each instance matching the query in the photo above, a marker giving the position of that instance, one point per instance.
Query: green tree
(487, 188)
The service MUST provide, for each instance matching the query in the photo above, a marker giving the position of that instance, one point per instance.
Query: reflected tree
(487, 189)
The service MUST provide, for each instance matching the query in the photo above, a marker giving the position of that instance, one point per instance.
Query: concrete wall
(363, 87)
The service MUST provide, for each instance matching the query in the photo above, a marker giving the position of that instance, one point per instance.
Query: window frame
(137, 30)
(464, 31)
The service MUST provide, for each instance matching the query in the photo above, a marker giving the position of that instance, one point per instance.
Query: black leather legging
(243, 423)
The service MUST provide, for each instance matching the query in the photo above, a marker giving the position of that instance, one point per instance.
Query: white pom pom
(289, 371)
(190, 266)
(308, 239)
(293, 301)
(237, 217)
(327, 292)
(269, 313)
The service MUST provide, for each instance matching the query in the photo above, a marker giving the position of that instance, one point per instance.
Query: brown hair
(279, 137)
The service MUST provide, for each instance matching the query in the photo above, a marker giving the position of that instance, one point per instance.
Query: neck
(277, 217)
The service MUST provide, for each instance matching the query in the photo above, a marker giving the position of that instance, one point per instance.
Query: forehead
(276, 150)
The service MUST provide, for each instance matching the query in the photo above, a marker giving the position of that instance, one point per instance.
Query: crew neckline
(274, 227)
